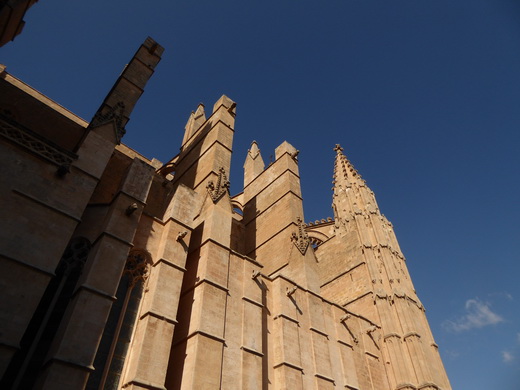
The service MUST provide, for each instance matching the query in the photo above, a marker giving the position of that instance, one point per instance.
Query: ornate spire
(351, 195)
(344, 171)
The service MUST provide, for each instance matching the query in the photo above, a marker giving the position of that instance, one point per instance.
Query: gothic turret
(372, 279)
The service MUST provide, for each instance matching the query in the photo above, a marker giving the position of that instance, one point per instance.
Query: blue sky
(422, 95)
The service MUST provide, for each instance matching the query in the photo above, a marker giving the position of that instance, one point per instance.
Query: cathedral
(120, 272)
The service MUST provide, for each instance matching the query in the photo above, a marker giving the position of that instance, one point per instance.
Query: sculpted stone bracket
(113, 114)
(301, 239)
(217, 191)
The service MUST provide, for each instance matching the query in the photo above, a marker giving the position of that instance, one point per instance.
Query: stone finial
(195, 121)
(254, 164)
(254, 151)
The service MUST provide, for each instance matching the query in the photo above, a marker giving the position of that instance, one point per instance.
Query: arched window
(117, 335)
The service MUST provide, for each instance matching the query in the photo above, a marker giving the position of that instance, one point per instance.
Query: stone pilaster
(73, 350)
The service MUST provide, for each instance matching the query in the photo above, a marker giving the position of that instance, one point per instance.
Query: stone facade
(123, 272)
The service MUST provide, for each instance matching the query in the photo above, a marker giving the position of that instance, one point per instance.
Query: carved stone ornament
(137, 266)
(113, 114)
(27, 139)
(301, 239)
(217, 191)
(75, 255)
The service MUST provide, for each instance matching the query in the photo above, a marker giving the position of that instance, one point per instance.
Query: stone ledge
(293, 366)
(159, 316)
(346, 344)
(253, 302)
(326, 378)
(204, 281)
(95, 291)
(372, 355)
(143, 383)
(112, 236)
(89, 368)
(286, 317)
(252, 351)
(42, 203)
(205, 334)
(169, 263)
(28, 265)
(319, 332)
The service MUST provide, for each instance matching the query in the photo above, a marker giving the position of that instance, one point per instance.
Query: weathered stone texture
(211, 291)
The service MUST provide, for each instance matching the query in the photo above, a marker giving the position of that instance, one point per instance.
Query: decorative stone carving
(131, 209)
(32, 142)
(217, 191)
(301, 239)
(254, 152)
(137, 267)
(75, 255)
(290, 291)
(181, 235)
(113, 114)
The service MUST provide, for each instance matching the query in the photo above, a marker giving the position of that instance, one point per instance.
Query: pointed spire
(254, 164)
(254, 152)
(347, 200)
(344, 172)
(195, 121)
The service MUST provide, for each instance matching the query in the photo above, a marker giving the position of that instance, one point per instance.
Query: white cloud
(502, 294)
(478, 314)
(507, 357)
